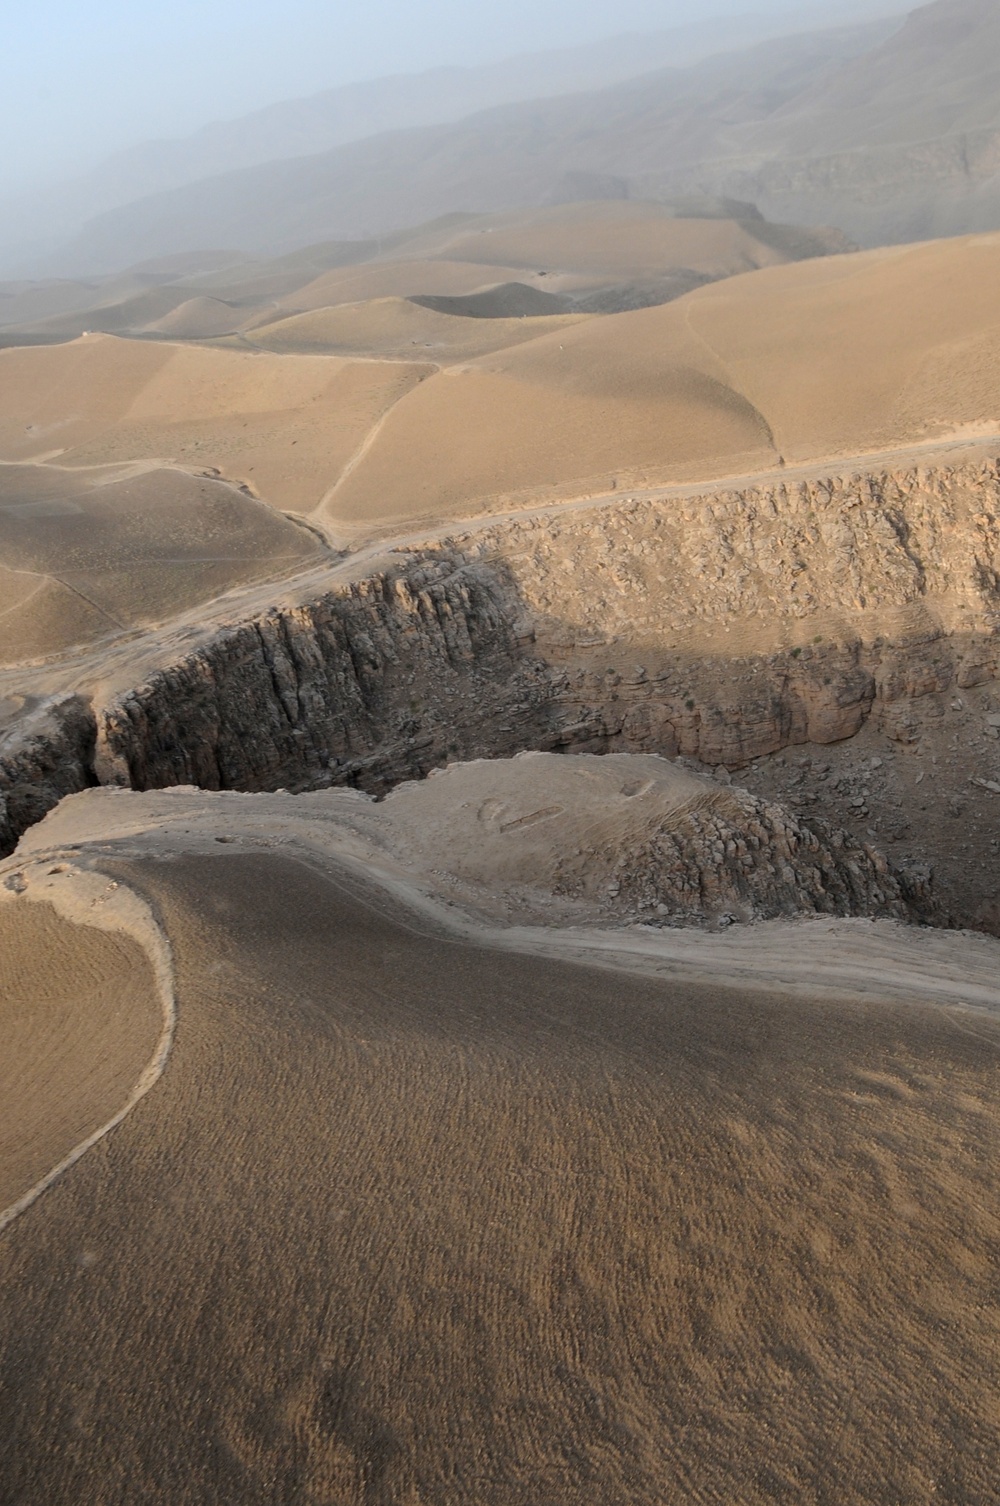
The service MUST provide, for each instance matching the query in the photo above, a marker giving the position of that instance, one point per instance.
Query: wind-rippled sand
(80, 1019)
(411, 1219)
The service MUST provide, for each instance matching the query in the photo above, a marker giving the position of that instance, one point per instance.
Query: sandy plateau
(499, 895)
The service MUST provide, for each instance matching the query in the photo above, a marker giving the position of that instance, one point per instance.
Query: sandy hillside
(95, 552)
(396, 279)
(831, 357)
(198, 319)
(568, 248)
(409, 1218)
(287, 427)
(400, 330)
(81, 1019)
(40, 616)
(614, 239)
(578, 249)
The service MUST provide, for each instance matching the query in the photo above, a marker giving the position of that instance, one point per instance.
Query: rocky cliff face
(50, 754)
(373, 683)
(734, 857)
(877, 195)
(730, 626)
(528, 635)
(723, 628)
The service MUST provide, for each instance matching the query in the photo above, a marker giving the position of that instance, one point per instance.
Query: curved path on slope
(418, 1220)
(77, 1014)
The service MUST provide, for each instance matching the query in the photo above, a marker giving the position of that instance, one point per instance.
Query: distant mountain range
(44, 219)
(889, 130)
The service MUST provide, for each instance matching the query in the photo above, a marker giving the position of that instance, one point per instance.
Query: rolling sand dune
(25, 302)
(137, 311)
(410, 1218)
(91, 552)
(126, 298)
(831, 357)
(835, 356)
(286, 427)
(395, 279)
(856, 352)
(396, 328)
(199, 319)
(581, 248)
(569, 248)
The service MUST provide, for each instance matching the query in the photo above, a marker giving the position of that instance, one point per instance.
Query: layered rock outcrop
(375, 682)
(734, 857)
(730, 626)
(722, 627)
(49, 754)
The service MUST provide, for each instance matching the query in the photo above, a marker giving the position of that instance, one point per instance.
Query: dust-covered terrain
(409, 1217)
(499, 909)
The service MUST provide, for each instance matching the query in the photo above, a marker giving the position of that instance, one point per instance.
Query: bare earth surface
(93, 553)
(417, 415)
(561, 1129)
(80, 1021)
(407, 1219)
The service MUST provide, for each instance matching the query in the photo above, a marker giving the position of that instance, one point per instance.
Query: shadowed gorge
(684, 627)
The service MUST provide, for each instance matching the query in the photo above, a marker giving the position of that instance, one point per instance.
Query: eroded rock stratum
(724, 628)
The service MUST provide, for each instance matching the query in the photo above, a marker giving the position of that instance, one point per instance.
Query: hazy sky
(84, 77)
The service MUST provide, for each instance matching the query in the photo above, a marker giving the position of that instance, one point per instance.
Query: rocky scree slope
(733, 857)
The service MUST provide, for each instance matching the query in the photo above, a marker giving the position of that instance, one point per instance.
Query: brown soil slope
(80, 1018)
(580, 247)
(441, 277)
(287, 427)
(198, 319)
(613, 239)
(396, 329)
(93, 552)
(834, 357)
(409, 1220)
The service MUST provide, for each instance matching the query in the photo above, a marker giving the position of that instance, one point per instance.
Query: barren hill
(390, 1118)
(594, 256)
(833, 357)
(409, 1211)
(402, 418)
